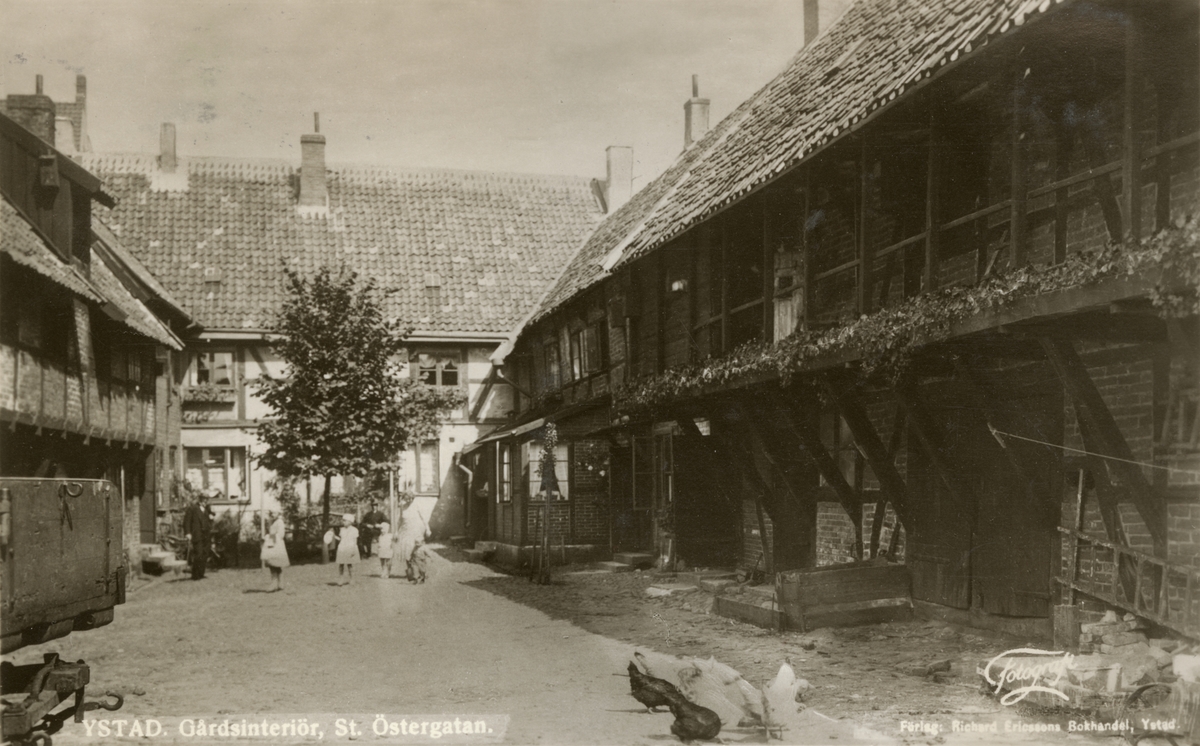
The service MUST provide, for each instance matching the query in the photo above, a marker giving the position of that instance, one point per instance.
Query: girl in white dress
(274, 552)
(385, 549)
(347, 551)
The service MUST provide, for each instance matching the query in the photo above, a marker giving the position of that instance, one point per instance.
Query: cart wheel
(1146, 696)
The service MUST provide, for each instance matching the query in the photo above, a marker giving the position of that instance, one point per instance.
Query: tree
(343, 406)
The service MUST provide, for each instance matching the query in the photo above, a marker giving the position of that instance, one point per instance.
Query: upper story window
(553, 365)
(441, 369)
(214, 368)
(586, 355)
(504, 475)
(437, 370)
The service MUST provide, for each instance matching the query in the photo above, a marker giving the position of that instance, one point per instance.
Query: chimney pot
(619, 184)
(695, 115)
(812, 22)
(80, 89)
(313, 191)
(166, 148)
(38, 85)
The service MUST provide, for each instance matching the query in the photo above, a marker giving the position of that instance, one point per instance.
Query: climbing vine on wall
(885, 340)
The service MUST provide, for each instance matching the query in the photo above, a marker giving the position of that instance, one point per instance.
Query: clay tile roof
(136, 315)
(19, 241)
(467, 252)
(874, 53)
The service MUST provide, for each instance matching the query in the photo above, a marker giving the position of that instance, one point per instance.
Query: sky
(531, 86)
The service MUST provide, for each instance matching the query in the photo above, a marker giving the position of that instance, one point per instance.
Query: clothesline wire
(996, 432)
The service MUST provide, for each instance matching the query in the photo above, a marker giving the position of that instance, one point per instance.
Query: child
(347, 551)
(385, 550)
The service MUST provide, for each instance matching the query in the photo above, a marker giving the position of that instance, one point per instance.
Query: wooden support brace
(754, 472)
(899, 423)
(871, 446)
(1110, 442)
(802, 427)
(1107, 499)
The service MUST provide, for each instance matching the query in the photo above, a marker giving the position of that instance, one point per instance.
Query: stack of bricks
(1114, 636)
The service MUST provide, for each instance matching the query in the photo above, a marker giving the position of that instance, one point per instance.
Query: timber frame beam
(869, 444)
(1108, 443)
(802, 426)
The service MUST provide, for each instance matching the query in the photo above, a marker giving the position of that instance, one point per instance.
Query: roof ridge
(343, 167)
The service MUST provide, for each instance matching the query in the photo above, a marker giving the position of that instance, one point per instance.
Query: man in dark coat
(197, 524)
(370, 527)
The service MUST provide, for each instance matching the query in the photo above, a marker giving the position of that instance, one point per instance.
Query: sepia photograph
(628, 372)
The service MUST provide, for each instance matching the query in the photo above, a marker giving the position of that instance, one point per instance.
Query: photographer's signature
(1027, 665)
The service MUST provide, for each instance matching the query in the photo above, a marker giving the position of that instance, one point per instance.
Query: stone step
(615, 566)
(159, 557)
(476, 555)
(635, 559)
(485, 546)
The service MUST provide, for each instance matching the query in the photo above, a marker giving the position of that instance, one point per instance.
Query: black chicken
(650, 691)
(693, 722)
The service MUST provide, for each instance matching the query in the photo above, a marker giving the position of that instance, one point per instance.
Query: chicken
(650, 691)
(779, 699)
(737, 690)
(693, 722)
(704, 689)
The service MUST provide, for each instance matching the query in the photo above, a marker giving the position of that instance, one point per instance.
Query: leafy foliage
(344, 406)
(883, 341)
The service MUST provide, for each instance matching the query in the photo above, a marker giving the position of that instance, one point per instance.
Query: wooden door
(938, 541)
(1018, 506)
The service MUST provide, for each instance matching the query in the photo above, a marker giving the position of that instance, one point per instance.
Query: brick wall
(835, 533)
(752, 544)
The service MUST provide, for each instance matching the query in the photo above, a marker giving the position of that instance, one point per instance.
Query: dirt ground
(474, 641)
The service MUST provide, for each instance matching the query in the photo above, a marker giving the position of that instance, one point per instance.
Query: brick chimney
(166, 148)
(695, 115)
(618, 187)
(33, 112)
(314, 195)
(820, 15)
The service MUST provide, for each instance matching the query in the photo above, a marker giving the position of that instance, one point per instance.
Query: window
(839, 440)
(562, 463)
(586, 357)
(504, 472)
(553, 365)
(439, 369)
(222, 468)
(427, 482)
(213, 367)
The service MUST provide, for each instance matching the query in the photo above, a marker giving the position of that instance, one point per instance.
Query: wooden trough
(843, 595)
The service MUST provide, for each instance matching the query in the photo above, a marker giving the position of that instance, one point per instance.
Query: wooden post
(805, 254)
(770, 226)
(1073, 560)
(866, 255)
(1018, 223)
(724, 228)
(1063, 145)
(1131, 168)
(929, 275)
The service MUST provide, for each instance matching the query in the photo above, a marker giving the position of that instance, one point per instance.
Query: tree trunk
(325, 519)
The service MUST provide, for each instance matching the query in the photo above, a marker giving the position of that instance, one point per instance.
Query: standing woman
(411, 537)
(274, 552)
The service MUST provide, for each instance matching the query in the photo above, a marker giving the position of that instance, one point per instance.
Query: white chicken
(779, 700)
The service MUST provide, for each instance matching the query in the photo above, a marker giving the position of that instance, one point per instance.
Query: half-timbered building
(928, 297)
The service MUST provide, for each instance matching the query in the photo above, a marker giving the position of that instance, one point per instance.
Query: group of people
(373, 535)
(407, 542)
